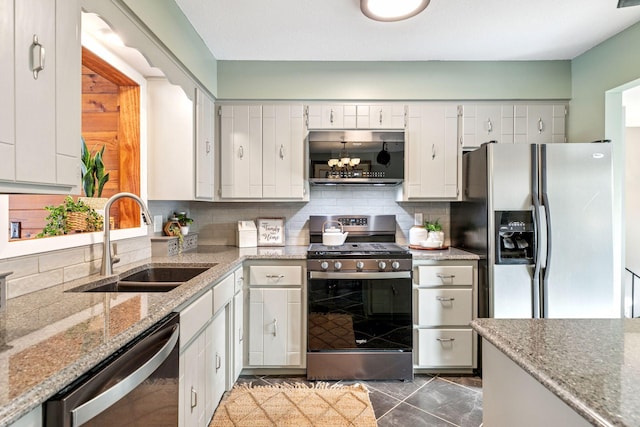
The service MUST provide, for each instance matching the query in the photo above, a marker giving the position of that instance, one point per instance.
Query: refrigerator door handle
(547, 217)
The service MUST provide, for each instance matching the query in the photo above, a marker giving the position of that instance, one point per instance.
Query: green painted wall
(428, 80)
(612, 63)
(168, 23)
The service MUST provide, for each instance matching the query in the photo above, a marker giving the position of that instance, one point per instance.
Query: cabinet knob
(37, 57)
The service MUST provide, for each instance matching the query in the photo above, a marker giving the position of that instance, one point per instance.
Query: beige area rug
(296, 404)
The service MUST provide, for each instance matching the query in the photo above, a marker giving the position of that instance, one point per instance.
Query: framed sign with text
(270, 232)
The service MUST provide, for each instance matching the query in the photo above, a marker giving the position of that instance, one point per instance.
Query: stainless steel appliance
(136, 386)
(540, 216)
(356, 157)
(359, 320)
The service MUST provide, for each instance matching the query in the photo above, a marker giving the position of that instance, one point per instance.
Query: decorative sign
(271, 232)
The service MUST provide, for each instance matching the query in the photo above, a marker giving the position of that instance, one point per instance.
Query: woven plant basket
(77, 221)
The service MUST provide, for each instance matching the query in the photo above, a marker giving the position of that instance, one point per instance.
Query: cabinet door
(216, 362)
(382, 116)
(35, 98)
(238, 335)
(205, 132)
(275, 322)
(487, 122)
(322, 116)
(432, 152)
(540, 123)
(193, 382)
(7, 116)
(241, 151)
(283, 151)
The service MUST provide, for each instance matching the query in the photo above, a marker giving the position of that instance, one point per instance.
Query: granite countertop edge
(515, 352)
(38, 394)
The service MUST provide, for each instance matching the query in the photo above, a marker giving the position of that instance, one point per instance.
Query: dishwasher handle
(103, 401)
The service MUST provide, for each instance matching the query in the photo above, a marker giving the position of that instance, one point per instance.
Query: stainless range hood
(379, 155)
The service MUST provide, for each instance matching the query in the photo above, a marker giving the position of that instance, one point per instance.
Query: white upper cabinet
(283, 151)
(487, 122)
(356, 116)
(40, 141)
(262, 155)
(204, 141)
(432, 152)
(540, 123)
(241, 151)
(381, 116)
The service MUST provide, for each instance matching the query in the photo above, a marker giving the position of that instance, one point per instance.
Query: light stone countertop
(50, 337)
(593, 365)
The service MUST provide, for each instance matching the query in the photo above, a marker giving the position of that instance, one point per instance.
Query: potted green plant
(93, 172)
(435, 235)
(70, 216)
(184, 222)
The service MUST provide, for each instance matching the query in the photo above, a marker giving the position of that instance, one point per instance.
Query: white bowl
(431, 243)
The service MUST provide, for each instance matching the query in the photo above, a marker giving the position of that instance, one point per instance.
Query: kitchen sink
(149, 279)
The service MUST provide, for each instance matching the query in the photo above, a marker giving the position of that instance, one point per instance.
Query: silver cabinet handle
(380, 116)
(540, 125)
(218, 362)
(331, 116)
(37, 57)
(101, 402)
(445, 299)
(241, 335)
(194, 398)
(489, 126)
(445, 276)
(241, 151)
(275, 327)
(275, 276)
(207, 147)
(281, 151)
(433, 151)
(445, 339)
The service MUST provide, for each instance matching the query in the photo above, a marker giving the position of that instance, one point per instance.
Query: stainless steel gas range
(359, 319)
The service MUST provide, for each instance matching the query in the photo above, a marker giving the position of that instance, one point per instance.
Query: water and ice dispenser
(515, 237)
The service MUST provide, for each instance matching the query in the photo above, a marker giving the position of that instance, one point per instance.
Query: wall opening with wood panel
(110, 117)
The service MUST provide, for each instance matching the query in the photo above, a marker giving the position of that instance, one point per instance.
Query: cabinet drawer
(439, 348)
(441, 307)
(223, 292)
(445, 275)
(275, 275)
(195, 317)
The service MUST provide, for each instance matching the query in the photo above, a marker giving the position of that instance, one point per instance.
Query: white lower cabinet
(206, 353)
(445, 295)
(238, 326)
(275, 315)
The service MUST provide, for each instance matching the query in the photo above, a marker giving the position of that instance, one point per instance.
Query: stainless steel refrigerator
(540, 217)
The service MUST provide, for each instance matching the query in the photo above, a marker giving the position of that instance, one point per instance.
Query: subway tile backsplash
(216, 223)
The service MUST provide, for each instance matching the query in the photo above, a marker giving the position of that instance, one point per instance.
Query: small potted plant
(184, 222)
(70, 216)
(435, 235)
(93, 176)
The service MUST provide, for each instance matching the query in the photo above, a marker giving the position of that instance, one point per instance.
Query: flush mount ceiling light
(392, 10)
(627, 3)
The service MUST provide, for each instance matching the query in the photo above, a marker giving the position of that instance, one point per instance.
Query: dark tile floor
(426, 401)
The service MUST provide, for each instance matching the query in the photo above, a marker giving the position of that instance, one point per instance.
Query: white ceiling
(336, 30)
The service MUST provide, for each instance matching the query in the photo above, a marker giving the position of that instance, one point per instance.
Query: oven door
(359, 311)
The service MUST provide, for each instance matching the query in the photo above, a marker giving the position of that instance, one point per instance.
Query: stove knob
(324, 265)
(359, 265)
(395, 265)
(382, 265)
(337, 266)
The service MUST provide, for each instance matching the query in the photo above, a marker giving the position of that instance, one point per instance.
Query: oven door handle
(362, 275)
(98, 404)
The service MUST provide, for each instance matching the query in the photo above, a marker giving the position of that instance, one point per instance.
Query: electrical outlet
(418, 219)
(16, 230)
(157, 223)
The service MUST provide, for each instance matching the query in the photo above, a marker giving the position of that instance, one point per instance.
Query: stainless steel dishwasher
(136, 386)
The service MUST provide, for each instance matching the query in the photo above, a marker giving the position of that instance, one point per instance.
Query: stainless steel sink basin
(149, 279)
